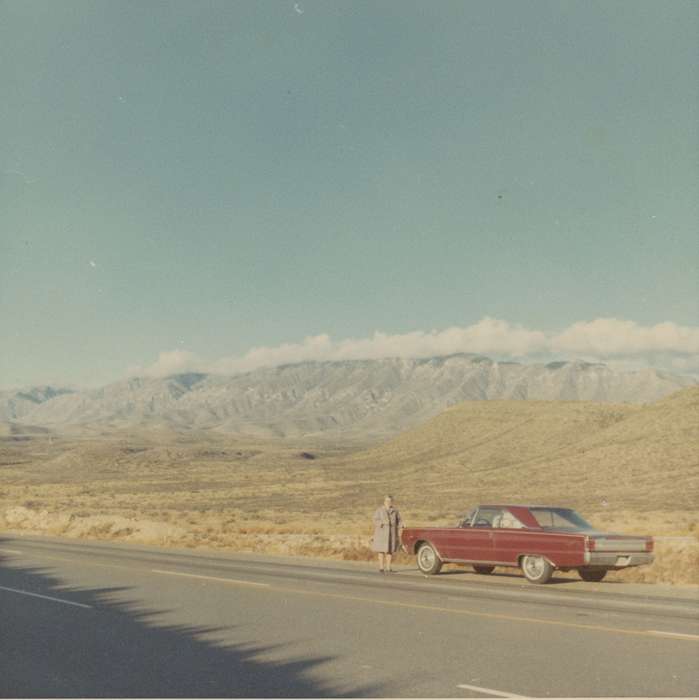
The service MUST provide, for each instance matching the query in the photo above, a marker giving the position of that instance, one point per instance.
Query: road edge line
(219, 579)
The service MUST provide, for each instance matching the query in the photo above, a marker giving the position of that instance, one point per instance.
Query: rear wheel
(427, 560)
(536, 569)
(482, 569)
(592, 574)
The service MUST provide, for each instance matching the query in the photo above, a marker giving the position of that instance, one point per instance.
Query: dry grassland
(629, 469)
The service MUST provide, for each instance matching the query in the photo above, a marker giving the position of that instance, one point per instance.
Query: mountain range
(367, 397)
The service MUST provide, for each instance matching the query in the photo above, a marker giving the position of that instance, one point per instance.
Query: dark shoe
(381, 571)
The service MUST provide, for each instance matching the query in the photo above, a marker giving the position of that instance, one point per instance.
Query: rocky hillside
(368, 397)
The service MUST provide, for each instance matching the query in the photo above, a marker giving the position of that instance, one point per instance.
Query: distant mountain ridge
(16, 404)
(362, 396)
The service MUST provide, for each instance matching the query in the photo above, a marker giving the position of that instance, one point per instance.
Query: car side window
(509, 521)
(488, 517)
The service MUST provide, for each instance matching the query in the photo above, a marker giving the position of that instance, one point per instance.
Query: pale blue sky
(212, 176)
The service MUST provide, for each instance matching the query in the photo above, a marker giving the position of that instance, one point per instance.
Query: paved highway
(105, 620)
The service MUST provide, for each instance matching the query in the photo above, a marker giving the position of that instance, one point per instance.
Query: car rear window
(560, 519)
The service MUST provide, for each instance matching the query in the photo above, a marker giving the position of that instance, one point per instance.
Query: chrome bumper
(617, 560)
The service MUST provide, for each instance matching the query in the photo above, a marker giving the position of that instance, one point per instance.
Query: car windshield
(560, 519)
(465, 520)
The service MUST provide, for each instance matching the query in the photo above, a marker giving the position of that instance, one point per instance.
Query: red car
(536, 539)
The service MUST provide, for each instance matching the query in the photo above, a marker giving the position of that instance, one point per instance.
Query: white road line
(212, 578)
(45, 597)
(10, 551)
(490, 691)
(673, 635)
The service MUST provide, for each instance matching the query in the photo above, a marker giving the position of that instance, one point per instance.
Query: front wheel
(482, 569)
(592, 574)
(427, 560)
(536, 569)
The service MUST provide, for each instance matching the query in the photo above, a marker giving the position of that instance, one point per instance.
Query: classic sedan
(536, 539)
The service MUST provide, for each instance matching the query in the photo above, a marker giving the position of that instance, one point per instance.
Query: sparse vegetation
(630, 469)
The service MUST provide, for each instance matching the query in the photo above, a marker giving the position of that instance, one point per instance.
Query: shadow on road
(119, 649)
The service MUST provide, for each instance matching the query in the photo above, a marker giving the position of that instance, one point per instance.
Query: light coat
(387, 526)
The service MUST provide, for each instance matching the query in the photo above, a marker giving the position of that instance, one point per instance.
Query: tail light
(649, 544)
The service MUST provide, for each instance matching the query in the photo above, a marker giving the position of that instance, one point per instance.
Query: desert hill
(589, 455)
(365, 397)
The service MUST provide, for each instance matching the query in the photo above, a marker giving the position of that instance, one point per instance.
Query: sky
(224, 185)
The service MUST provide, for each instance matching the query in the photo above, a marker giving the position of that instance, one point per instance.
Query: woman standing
(387, 527)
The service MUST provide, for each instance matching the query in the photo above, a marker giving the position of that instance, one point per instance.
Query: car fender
(534, 554)
(420, 542)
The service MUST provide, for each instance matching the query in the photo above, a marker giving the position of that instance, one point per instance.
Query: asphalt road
(81, 619)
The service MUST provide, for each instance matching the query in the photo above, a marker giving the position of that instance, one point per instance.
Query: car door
(475, 543)
(509, 539)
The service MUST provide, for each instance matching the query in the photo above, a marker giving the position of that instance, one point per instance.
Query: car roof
(519, 505)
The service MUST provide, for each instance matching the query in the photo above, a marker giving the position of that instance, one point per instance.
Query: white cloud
(620, 342)
(612, 336)
(168, 362)
(487, 336)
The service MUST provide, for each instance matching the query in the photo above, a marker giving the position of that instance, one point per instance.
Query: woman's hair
(387, 496)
